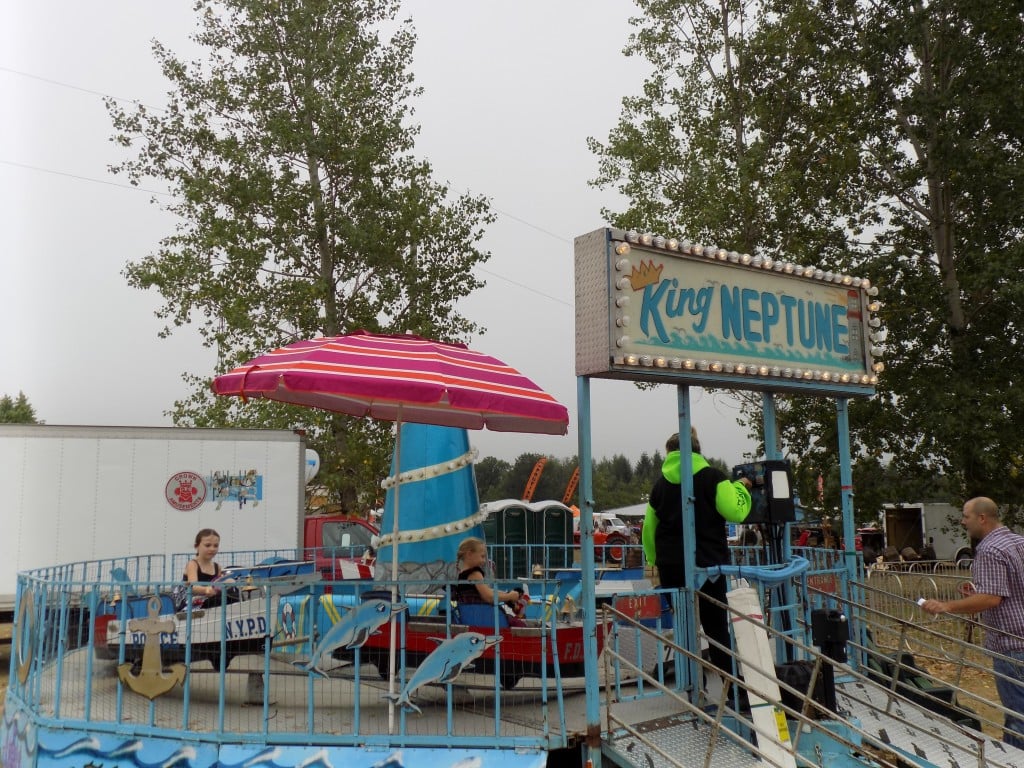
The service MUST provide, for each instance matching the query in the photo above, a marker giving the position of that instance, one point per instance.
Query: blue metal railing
(70, 668)
(80, 661)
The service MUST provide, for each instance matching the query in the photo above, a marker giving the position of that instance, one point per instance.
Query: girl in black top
(201, 570)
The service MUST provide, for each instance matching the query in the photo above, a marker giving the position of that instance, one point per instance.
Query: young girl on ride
(471, 556)
(202, 569)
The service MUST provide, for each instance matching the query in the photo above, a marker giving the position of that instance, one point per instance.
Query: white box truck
(75, 493)
(924, 524)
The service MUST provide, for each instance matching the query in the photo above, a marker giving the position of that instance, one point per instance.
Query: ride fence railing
(511, 561)
(890, 671)
(939, 660)
(102, 646)
(267, 666)
(724, 732)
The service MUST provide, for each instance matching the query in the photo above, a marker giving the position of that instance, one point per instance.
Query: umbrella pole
(394, 573)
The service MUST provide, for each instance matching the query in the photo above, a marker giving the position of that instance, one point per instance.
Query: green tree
(615, 484)
(697, 152)
(646, 469)
(302, 210)
(17, 410)
(519, 476)
(490, 477)
(880, 138)
(932, 112)
(707, 149)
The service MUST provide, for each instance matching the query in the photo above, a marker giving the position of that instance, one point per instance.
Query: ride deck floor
(289, 701)
(351, 703)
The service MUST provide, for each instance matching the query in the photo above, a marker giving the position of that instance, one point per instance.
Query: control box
(771, 491)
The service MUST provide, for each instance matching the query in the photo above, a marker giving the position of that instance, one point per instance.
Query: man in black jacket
(716, 499)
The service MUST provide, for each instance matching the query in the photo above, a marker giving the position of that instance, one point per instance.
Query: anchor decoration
(153, 680)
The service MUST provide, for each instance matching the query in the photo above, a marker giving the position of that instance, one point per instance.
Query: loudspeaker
(772, 491)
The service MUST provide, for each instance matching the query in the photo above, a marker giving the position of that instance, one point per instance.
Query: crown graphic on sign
(647, 274)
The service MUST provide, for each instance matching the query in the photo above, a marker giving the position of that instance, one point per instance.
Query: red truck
(343, 547)
(611, 537)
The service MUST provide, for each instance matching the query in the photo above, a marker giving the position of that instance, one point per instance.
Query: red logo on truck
(185, 491)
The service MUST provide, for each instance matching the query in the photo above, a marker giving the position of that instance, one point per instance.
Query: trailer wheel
(615, 548)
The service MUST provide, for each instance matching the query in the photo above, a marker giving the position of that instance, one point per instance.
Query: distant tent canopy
(630, 513)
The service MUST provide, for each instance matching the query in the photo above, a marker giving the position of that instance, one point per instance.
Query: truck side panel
(86, 493)
(903, 528)
(943, 529)
(921, 524)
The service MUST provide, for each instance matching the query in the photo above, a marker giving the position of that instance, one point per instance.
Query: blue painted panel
(25, 745)
(440, 489)
(236, 756)
(73, 749)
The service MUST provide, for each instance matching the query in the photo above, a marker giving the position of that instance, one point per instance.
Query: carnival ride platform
(263, 710)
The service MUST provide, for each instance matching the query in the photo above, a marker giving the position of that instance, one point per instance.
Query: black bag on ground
(797, 674)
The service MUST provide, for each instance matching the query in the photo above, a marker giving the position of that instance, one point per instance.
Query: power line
(525, 287)
(547, 232)
(84, 178)
(65, 85)
(495, 275)
(62, 84)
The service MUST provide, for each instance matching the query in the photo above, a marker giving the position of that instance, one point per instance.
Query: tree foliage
(17, 410)
(302, 209)
(880, 138)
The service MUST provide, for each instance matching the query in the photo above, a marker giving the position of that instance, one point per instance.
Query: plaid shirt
(998, 569)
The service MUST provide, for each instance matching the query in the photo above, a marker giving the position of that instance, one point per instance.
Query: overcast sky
(512, 91)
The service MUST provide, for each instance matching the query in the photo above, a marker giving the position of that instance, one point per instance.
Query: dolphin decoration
(444, 664)
(351, 631)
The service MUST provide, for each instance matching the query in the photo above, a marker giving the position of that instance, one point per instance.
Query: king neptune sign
(656, 309)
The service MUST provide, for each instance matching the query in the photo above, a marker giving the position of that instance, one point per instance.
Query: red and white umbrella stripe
(399, 378)
(372, 377)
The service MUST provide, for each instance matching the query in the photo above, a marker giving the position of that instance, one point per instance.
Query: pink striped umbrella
(400, 378)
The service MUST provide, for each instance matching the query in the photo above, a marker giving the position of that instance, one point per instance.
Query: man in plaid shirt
(998, 574)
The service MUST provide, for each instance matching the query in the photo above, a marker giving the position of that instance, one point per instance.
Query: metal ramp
(914, 730)
(891, 730)
(654, 723)
(688, 740)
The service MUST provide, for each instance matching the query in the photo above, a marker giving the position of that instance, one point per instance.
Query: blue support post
(846, 493)
(592, 744)
(772, 452)
(689, 535)
(846, 487)
(771, 435)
